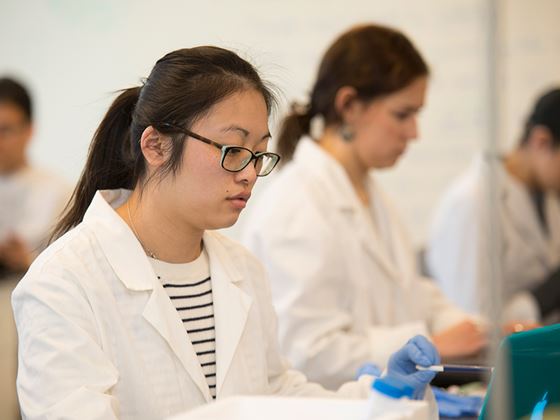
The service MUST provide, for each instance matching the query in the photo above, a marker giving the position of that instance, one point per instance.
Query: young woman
(529, 211)
(139, 310)
(343, 273)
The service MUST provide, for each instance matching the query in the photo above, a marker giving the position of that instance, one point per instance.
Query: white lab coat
(457, 254)
(99, 337)
(345, 292)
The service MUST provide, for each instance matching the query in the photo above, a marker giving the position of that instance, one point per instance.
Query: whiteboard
(74, 54)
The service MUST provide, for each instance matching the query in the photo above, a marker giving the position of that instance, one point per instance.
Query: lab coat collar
(128, 260)
(323, 166)
(517, 208)
(120, 246)
(334, 178)
(522, 212)
(132, 267)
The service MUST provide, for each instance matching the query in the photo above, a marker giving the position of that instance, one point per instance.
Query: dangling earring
(346, 133)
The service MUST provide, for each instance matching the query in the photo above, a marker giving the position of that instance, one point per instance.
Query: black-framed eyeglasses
(235, 158)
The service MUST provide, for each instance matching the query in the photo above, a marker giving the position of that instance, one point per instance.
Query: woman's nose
(248, 174)
(412, 129)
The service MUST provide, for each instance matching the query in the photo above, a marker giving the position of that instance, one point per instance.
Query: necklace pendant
(151, 255)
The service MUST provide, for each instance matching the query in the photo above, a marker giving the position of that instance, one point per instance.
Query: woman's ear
(540, 139)
(346, 104)
(154, 146)
(28, 131)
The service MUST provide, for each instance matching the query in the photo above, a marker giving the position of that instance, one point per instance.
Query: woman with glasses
(343, 273)
(139, 310)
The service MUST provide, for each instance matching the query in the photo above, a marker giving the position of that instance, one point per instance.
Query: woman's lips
(239, 201)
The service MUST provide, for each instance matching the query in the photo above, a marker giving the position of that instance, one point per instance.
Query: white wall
(73, 54)
(531, 59)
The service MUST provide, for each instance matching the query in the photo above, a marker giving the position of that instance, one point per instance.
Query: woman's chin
(386, 163)
(223, 223)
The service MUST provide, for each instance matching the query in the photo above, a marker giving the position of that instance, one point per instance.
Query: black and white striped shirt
(190, 289)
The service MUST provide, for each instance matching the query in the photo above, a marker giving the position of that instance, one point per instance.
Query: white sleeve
(441, 312)
(392, 338)
(453, 254)
(288, 382)
(63, 371)
(317, 328)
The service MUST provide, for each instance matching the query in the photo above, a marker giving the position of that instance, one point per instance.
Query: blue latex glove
(450, 405)
(368, 369)
(402, 364)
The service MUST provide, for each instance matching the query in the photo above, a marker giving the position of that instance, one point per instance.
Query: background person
(343, 273)
(31, 199)
(529, 212)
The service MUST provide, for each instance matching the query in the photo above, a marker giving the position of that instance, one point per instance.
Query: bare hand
(518, 326)
(15, 254)
(461, 340)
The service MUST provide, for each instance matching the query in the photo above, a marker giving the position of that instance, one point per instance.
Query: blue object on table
(526, 381)
(451, 405)
(392, 387)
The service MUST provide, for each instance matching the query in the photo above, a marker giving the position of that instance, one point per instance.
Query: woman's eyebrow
(243, 131)
(409, 107)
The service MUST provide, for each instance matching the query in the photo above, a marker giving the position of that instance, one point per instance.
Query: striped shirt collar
(125, 254)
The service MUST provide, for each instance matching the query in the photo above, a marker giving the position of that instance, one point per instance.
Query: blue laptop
(526, 381)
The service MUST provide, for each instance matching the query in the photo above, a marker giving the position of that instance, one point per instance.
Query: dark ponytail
(110, 163)
(294, 126)
(373, 59)
(182, 86)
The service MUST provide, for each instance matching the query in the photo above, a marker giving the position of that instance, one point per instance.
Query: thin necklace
(146, 250)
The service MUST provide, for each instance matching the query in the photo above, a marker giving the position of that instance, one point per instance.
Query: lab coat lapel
(523, 216)
(553, 217)
(231, 306)
(372, 243)
(128, 260)
(385, 248)
(333, 182)
(165, 320)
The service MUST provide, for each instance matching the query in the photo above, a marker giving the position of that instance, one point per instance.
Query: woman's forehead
(244, 113)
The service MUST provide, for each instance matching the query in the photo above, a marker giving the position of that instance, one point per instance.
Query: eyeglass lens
(237, 158)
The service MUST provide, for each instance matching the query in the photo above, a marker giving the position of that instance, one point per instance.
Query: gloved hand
(402, 364)
(450, 405)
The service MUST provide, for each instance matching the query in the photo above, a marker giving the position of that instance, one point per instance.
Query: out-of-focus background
(74, 54)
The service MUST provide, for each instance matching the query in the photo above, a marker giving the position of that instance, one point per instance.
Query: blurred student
(30, 201)
(140, 310)
(30, 198)
(343, 272)
(529, 212)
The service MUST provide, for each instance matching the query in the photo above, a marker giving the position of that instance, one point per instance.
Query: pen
(457, 368)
